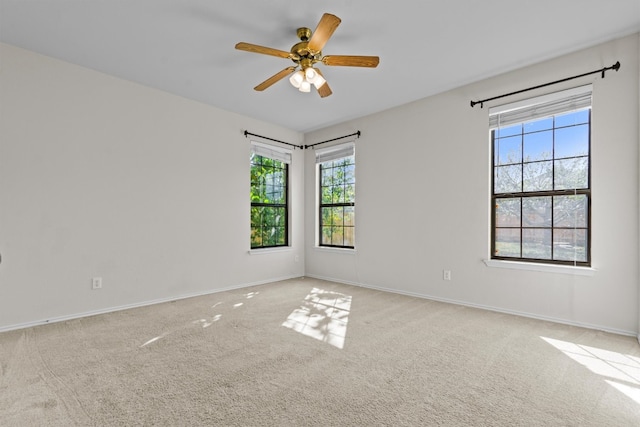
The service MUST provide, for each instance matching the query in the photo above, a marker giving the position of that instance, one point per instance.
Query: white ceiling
(186, 47)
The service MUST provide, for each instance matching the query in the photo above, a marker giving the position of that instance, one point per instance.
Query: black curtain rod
(615, 66)
(246, 133)
(334, 139)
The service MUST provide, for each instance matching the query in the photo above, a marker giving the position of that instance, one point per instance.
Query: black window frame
(332, 205)
(523, 195)
(263, 204)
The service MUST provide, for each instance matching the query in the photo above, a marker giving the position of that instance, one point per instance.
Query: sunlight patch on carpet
(152, 340)
(621, 371)
(323, 315)
(203, 322)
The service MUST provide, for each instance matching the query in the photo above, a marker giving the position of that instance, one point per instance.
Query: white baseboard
(331, 279)
(485, 307)
(136, 305)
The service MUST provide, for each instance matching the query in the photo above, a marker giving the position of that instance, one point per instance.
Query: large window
(541, 196)
(269, 196)
(337, 180)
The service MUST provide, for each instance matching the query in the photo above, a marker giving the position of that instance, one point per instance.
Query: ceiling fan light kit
(305, 54)
(302, 80)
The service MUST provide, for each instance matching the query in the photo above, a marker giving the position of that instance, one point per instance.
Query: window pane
(257, 189)
(536, 243)
(538, 146)
(326, 235)
(266, 162)
(538, 125)
(337, 238)
(268, 238)
(338, 176)
(570, 211)
(267, 217)
(337, 215)
(256, 237)
(326, 216)
(349, 193)
(327, 175)
(573, 118)
(538, 176)
(536, 212)
(509, 131)
(256, 216)
(337, 194)
(570, 245)
(508, 179)
(349, 239)
(349, 216)
(572, 173)
(350, 174)
(508, 212)
(508, 150)
(508, 242)
(281, 236)
(572, 141)
(346, 161)
(326, 195)
(279, 217)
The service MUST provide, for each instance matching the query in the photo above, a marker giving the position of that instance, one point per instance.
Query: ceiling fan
(305, 54)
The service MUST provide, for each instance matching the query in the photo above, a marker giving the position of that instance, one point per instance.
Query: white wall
(103, 177)
(426, 208)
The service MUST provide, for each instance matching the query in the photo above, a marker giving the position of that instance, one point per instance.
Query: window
(337, 179)
(269, 196)
(541, 190)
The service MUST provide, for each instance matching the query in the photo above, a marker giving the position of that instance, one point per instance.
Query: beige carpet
(306, 352)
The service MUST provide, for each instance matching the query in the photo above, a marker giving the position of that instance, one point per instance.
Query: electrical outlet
(96, 283)
(446, 274)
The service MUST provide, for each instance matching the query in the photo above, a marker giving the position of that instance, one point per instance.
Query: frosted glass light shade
(305, 86)
(319, 81)
(296, 79)
(311, 74)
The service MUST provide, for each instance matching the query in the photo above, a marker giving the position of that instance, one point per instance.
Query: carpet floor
(306, 352)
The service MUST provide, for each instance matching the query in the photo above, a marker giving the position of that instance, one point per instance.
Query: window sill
(548, 268)
(335, 250)
(264, 251)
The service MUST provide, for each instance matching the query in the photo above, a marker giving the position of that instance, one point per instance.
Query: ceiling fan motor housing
(301, 54)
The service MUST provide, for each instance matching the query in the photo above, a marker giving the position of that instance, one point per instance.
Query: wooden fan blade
(351, 61)
(275, 78)
(263, 50)
(324, 90)
(327, 25)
